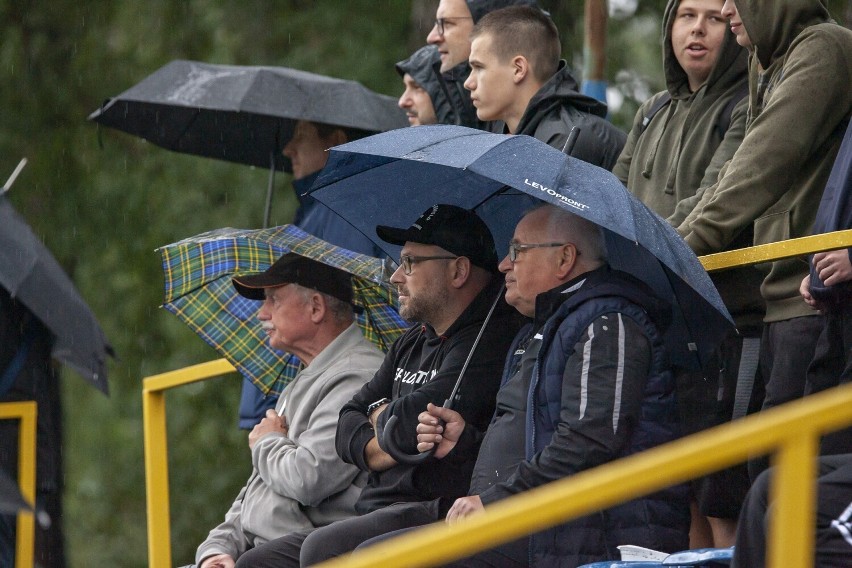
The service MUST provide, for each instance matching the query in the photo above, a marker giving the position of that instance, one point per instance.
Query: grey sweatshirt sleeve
(228, 537)
(724, 152)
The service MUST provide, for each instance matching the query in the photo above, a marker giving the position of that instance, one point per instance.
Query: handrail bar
(27, 413)
(792, 429)
(156, 451)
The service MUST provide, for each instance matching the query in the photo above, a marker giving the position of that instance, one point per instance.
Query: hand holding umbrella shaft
(439, 426)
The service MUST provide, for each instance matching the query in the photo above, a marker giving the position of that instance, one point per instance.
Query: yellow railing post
(156, 451)
(777, 251)
(27, 413)
(793, 492)
(156, 477)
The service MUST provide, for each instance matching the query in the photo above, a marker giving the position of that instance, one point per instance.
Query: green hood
(731, 63)
(772, 25)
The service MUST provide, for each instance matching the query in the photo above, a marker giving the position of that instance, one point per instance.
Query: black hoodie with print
(422, 367)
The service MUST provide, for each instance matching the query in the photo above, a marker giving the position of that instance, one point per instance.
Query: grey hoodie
(298, 481)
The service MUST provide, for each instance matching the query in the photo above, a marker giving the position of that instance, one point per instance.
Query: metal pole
(268, 209)
(27, 413)
(156, 477)
(594, 48)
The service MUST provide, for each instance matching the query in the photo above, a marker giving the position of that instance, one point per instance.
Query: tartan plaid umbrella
(198, 290)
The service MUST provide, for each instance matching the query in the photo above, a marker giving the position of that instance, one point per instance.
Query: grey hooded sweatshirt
(298, 481)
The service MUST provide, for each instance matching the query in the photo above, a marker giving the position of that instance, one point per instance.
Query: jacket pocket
(772, 228)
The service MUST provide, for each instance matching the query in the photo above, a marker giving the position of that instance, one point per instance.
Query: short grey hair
(588, 237)
(341, 312)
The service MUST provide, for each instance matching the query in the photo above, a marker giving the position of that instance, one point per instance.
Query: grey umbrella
(243, 114)
(32, 276)
(11, 500)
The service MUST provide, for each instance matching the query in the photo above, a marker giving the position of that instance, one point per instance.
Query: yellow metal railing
(777, 251)
(791, 432)
(26, 413)
(157, 453)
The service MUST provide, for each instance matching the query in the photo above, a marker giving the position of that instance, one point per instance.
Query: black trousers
(786, 351)
(721, 494)
(312, 547)
(833, 542)
(832, 366)
(514, 554)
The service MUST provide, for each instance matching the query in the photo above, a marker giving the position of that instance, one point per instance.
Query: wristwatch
(376, 404)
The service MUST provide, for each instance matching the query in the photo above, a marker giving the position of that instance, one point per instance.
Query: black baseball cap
(294, 268)
(455, 229)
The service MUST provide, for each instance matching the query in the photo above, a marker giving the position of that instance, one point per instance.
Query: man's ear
(337, 137)
(461, 269)
(567, 261)
(520, 68)
(318, 307)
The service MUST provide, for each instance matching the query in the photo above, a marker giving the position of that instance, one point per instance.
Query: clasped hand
(270, 423)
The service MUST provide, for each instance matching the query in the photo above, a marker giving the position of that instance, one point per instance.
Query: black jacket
(601, 389)
(451, 84)
(558, 106)
(420, 66)
(422, 367)
(835, 214)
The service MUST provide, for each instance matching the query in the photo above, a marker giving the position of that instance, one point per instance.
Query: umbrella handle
(386, 435)
(395, 452)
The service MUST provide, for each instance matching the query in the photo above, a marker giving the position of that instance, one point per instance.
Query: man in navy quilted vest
(587, 382)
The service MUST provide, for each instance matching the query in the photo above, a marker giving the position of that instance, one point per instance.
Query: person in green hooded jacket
(680, 139)
(800, 72)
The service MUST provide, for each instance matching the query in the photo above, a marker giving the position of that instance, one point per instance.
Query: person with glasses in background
(587, 382)
(454, 21)
(448, 282)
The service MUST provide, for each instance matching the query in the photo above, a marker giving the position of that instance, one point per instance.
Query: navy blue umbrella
(391, 178)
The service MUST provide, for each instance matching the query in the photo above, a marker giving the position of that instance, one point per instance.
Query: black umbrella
(11, 500)
(33, 277)
(243, 114)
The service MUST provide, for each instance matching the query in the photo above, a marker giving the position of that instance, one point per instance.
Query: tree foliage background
(104, 201)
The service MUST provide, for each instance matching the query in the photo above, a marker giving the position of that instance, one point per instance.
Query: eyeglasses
(516, 248)
(407, 261)
(439, 23)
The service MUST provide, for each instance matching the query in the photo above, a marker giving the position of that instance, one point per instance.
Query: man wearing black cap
(447, 282)
(298, 481)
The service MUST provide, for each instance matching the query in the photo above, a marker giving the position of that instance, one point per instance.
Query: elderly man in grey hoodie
(297, 479)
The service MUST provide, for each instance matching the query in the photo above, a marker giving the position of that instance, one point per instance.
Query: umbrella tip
(43, 519)
(8, 185)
